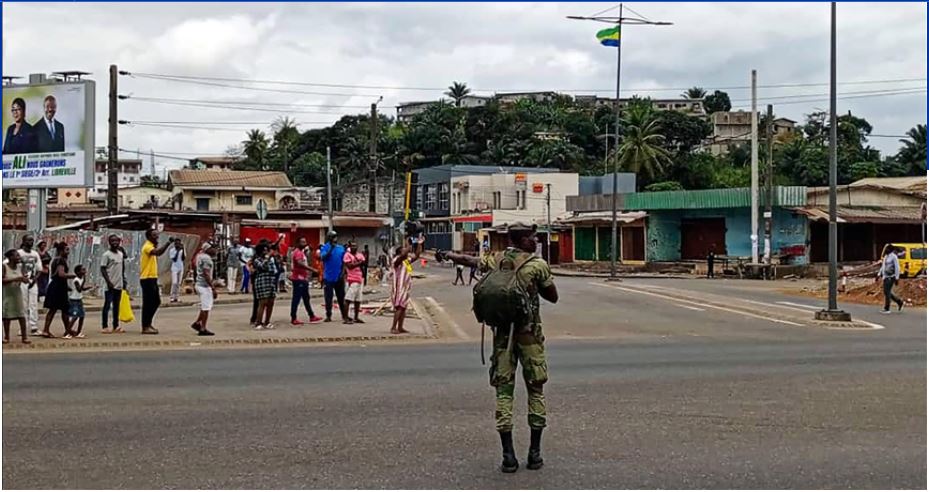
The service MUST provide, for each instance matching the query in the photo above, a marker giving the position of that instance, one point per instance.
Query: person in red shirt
(354, 277)
(300, 278)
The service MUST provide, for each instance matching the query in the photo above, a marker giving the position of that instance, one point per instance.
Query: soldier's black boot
(534, 462)
(510, 463)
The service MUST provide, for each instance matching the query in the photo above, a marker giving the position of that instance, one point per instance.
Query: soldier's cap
(519, 226)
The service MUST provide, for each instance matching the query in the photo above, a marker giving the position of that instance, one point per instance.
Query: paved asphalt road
(645, 392)
(692, 414)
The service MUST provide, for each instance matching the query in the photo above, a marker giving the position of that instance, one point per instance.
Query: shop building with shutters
(683, 226)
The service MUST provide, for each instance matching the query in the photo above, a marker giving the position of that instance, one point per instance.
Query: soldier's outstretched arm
(466, 260)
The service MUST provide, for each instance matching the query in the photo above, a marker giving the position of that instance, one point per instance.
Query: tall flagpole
(618, 23)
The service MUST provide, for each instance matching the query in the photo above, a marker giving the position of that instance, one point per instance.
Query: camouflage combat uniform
(528, 348)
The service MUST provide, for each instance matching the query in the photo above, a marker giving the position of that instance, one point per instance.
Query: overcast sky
(509, 46)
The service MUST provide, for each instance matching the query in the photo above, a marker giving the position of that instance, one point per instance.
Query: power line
(239, 108)
(198, 79)
(261, 89)
(874, 92)
(865, 96)
(240, 102)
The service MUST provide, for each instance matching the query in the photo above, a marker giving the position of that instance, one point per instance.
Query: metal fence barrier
(87, 248)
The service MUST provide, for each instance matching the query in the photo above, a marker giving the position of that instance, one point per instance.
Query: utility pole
(548, 208)
(390, 208)
(754, 234)
(769, 187)
(832, 312)
(617, 22)
(112, 172)
(151, 155)
(372, 144)
(329, 184)
(606, 148)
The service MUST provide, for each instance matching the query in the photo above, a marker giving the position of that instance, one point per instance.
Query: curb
(566, 273)
(18, 347)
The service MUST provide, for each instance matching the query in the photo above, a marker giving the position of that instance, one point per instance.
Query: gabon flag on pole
(609, 37)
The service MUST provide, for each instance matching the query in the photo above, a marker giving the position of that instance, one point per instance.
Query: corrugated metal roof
(785, 196)
(224, 178)
(876, 215)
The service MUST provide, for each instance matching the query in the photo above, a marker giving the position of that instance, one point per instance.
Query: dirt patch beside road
(867, 291)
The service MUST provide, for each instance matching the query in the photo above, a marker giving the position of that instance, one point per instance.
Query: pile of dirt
(867, 291)
(913, 291)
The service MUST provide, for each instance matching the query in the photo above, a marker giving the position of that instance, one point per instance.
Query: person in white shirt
(246, 253)
(178, 257)
(30, 267)
(890, 275)
(76, 302)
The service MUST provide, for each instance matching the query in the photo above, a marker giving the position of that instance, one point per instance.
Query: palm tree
(255, 148)
(694, 93)
(913, 152)
(285, 137)
(458, 91)
(641, 150)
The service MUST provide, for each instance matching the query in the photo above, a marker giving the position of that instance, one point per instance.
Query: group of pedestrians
(344, 274)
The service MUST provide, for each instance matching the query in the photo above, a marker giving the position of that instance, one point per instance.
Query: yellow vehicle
(912, 260)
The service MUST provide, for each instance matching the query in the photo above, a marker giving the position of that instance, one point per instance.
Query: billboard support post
(36, 207)
(112, 173)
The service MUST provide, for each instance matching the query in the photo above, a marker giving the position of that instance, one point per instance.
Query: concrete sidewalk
(230, 324)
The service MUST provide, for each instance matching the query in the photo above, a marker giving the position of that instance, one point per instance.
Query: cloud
(221, 46)
(491, 46)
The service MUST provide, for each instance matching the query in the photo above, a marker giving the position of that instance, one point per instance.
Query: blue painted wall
(664, 232)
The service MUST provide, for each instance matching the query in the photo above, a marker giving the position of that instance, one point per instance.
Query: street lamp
(832, 312)
(618, 21)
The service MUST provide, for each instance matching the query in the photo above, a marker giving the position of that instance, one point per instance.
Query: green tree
(694, 93)
(557, 153)
(255, 148)
(861, 170)
(717, 101)
(309, 170)
(458, 91)
(913, 152)
(285, 139)
(641, 150)
(664, 186)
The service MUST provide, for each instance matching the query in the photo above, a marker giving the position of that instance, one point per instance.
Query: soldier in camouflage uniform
(527, 348)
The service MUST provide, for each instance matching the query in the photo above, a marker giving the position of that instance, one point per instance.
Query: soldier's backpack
(499, 299)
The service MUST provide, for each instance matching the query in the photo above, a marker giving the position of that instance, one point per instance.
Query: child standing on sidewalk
(13, 305)
(76, 302)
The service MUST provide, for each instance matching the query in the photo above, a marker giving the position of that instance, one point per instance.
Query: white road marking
(690, 307)
(459, 332)
(807, 306)
(711, 306)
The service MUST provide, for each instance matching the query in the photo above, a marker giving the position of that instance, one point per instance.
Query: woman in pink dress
(401, 285)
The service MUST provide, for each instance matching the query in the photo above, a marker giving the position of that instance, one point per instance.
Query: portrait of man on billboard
(50, 133)
(20, 136)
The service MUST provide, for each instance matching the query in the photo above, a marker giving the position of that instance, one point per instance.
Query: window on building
(430, 197)
(99, 179)
(419, 197)
(443, 196)
(497, 199)
(203, 204)
(243, 199)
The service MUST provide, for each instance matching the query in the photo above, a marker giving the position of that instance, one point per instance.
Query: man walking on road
(522, 345)
(30, 267)
(233, 266)
(300, 279)
(890, 275)
(332, 255)
(113, 271)
(148, 279)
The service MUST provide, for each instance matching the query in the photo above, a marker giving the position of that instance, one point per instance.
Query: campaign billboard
(48, 139)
